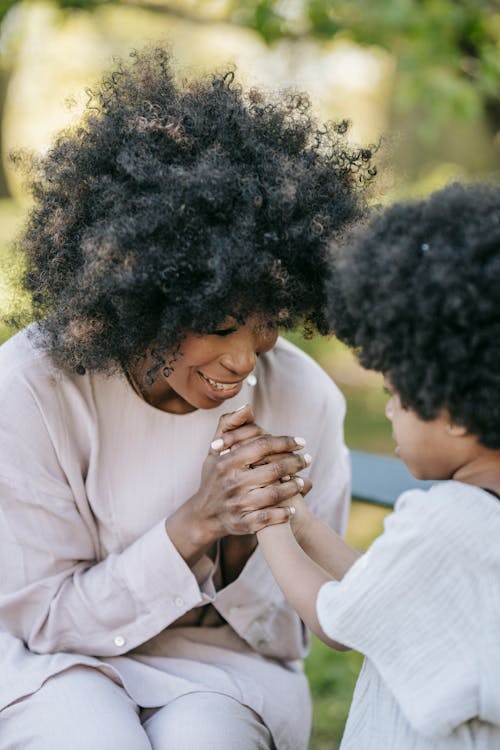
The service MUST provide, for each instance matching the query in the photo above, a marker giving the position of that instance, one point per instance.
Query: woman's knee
(81, 709)
(207, 721)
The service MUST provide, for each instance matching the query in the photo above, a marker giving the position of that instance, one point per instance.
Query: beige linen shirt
(88, 474)
(423, 605)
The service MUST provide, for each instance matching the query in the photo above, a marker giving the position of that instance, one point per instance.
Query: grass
(332, 675)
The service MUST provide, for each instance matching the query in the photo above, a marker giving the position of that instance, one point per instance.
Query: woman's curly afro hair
(173, 206)
(417, 292)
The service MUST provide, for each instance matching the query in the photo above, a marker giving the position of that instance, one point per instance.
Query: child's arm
(301, 564)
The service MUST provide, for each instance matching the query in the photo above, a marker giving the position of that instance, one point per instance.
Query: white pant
(82, 709)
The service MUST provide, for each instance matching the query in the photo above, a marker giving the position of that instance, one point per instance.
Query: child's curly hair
(173, 206)
(417, 292)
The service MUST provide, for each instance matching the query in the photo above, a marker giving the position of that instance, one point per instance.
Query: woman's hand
(236, 549)
(242, 489)
(253, 472)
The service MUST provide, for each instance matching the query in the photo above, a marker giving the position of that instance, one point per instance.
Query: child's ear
(456, 430)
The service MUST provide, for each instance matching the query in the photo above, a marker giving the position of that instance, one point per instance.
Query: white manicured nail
(223, 453)
(286, 478)
(307, 459)
(300, 483)
(240, 408)
(300, 441)
(216, 445)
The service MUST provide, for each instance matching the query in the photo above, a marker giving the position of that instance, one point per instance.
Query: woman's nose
(240, 359)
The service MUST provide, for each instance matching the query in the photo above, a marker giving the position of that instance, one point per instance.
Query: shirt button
(119, 641)
(179, 601)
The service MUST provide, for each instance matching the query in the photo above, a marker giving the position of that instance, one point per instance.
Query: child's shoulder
(452, 513)
(441, 495)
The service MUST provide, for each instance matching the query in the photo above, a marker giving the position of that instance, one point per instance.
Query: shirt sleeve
(410, 606)
(253, 604)
(55, 592)
(330, 472)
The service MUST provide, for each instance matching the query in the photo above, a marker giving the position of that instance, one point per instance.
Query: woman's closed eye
(223, 331)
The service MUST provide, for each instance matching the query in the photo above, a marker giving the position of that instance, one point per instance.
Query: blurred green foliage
(11, 299)
(447, 52)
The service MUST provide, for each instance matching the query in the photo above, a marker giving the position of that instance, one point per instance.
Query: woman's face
(211, 368)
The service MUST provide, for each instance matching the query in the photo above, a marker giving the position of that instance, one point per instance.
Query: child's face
(426, 447)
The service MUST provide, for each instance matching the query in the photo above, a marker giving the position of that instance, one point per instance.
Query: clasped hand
(248, 477)
(247, 482)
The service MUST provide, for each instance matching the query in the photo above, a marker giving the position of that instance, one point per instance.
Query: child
(417, 292)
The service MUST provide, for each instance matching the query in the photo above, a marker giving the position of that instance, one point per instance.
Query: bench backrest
(380, 479)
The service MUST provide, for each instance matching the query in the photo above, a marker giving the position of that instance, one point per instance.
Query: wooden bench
(379, 480)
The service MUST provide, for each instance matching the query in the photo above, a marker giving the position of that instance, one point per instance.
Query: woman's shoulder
(20, 358)
(290, 371)
(286, 352)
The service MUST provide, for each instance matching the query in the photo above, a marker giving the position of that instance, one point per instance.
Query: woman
(173, 233)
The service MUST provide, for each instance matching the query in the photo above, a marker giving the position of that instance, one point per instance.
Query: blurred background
(421, 76)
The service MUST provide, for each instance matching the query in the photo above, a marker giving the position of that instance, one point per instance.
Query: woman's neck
(157, 393)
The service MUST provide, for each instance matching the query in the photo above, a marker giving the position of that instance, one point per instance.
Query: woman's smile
(222, 389)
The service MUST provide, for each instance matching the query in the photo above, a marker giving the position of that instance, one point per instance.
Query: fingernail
(241, 408)
(286, 478)
(223, 453)
(300, 483)
(307, 459)
(216, 445)
(300, 441)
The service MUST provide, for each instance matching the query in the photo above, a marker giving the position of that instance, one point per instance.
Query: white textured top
(423, 606)
(88, 474)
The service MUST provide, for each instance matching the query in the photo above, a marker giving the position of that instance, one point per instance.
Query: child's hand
(301, 515)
